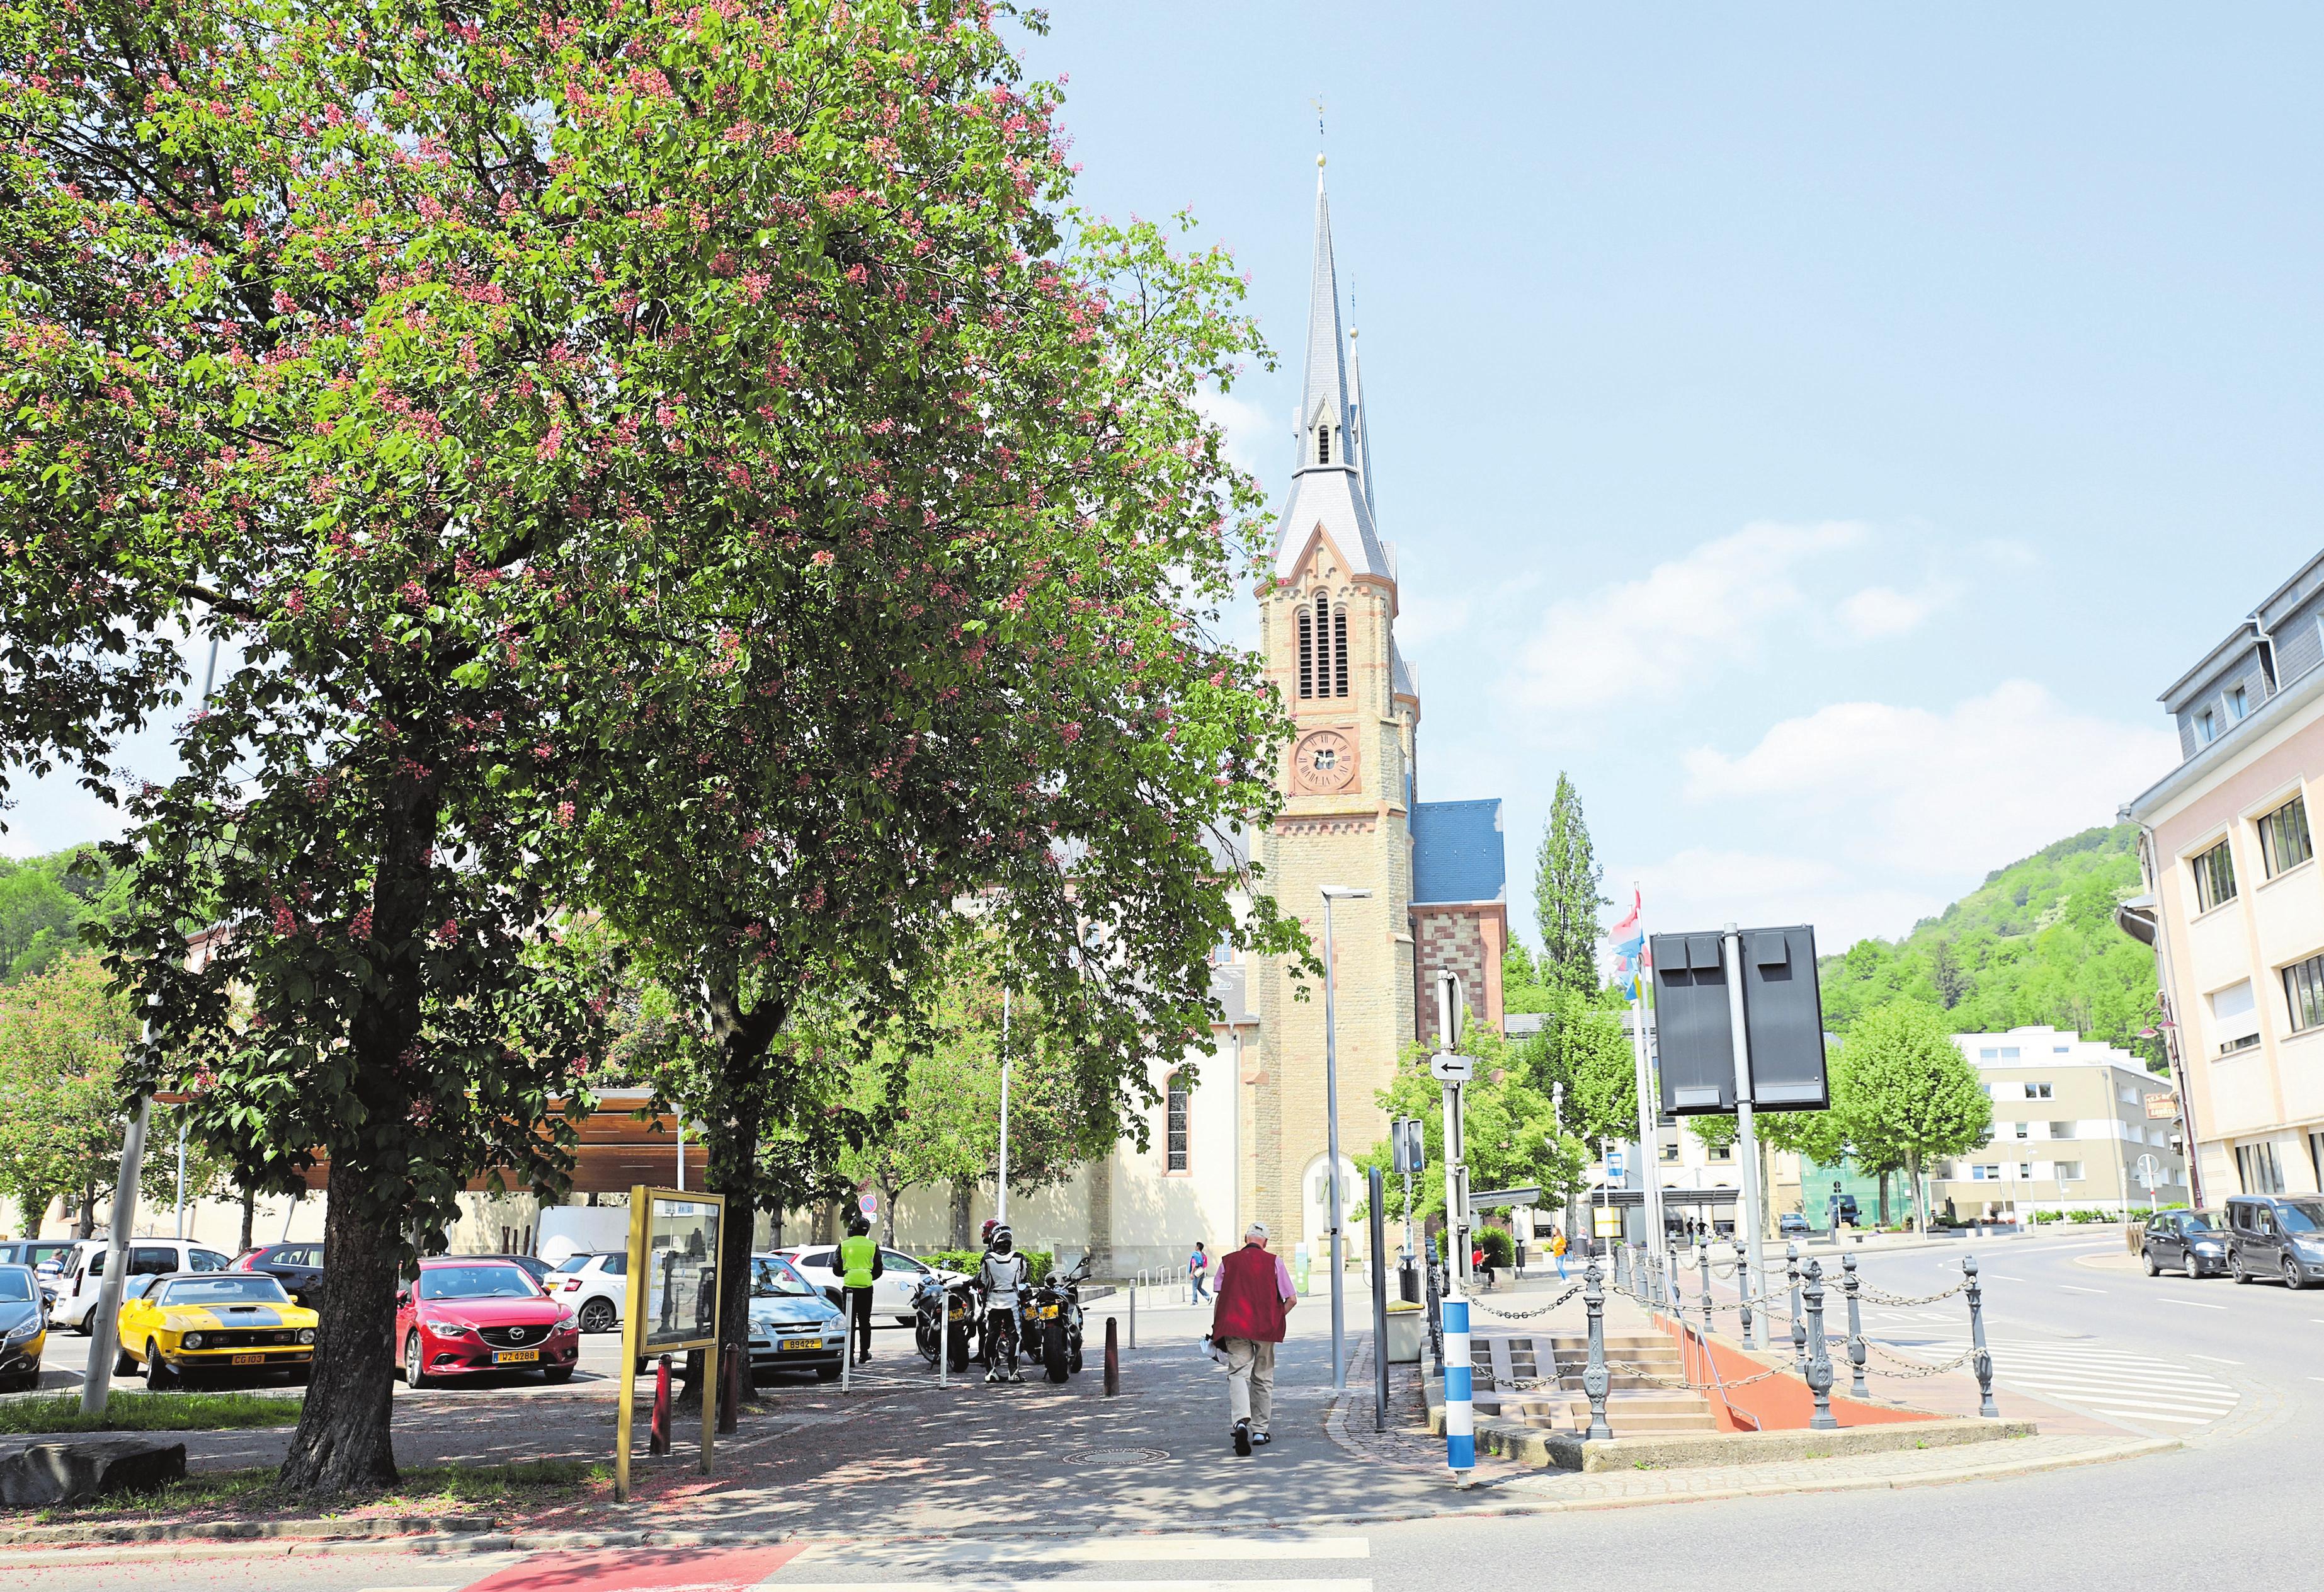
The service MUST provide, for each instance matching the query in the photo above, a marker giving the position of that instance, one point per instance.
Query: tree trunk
(1920, 1207)
(961, 1190)
(1884, 1198)
(888, 1223)
(88, 1211)
(249, 1215)
(343, 1440)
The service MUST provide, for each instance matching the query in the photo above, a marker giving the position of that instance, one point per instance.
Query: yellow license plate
(1047, 1310)
(250, 1359)
(790, 1344)
(515, 1356)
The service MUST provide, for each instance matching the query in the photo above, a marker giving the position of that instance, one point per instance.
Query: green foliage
(64, 1035)
(1038, 1262)
(43, 903)
(1566, 899)
(1501, 1249)
(1906, 1094)
(2035, 943)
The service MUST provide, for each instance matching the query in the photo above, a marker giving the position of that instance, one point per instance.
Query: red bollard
(657, 1435)
(1112, 1361)
(729, 1389)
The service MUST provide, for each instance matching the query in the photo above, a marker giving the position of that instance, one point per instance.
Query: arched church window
(1323, 445)
(1307, 653)
(1340, 652)
(1324, 645)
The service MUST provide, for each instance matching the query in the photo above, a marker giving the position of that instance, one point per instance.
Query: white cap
(1256, 1230)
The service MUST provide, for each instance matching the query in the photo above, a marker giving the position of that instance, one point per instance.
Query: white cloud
(1878, 612)
(1704, 888)
(1422, 618)
(1253, 441)
(1937, 795)
(1648, 637)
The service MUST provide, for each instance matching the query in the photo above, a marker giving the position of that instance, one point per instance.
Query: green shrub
(1037, 1262)
(1501, 1249)
(2043, 1218)
(2088, 1215)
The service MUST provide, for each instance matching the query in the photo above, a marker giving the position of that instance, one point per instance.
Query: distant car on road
(2194, 1241)
(2276, 1234)
(593, 1287)
(23, 1328)
(299, 1267)
(1792, 1225)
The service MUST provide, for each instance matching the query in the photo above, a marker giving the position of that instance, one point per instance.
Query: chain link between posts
(1475, 1304)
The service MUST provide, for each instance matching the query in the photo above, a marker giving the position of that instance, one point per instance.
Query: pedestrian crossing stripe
(2105, 1382)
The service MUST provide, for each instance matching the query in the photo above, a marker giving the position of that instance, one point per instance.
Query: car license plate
(250, 1359)
(515, 1356)
(790, 1345)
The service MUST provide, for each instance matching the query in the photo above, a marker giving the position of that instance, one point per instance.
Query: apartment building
(2070, 1130)
(2236, 904)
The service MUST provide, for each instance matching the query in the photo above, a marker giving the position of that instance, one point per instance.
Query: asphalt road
(2235, 1372)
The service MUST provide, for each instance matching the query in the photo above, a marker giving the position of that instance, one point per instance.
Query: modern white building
(2070, 1130)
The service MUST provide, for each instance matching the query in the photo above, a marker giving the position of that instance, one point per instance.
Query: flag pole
(1642, 1063)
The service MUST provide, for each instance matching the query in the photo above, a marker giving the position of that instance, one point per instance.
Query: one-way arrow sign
(1446, 1067)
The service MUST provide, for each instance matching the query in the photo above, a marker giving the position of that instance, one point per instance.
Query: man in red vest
(1255, 1295)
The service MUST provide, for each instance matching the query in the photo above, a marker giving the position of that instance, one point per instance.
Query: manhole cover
(1113, 1456)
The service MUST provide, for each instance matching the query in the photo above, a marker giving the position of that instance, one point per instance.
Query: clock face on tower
(1324, 761)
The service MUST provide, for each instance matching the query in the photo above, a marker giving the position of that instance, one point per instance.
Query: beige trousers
(1250, 1381)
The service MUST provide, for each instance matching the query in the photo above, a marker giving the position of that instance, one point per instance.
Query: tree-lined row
(686, 504)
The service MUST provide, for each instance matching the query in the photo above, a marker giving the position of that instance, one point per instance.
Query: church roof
(1456, 852)
(1330, 495)
(1400, 680)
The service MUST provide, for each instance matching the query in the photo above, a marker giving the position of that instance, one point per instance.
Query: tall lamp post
(1331, 894)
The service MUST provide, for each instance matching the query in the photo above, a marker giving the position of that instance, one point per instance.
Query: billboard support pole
(1746, 1139)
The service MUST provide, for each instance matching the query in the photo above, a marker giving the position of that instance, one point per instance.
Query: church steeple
(1331, 474)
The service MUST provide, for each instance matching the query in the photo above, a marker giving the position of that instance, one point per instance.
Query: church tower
(1328, 634)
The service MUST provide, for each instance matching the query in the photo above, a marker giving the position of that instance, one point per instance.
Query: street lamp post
(1003, 1196)
(1331, 894)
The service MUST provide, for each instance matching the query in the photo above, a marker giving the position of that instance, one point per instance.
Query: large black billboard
(1783, 1019)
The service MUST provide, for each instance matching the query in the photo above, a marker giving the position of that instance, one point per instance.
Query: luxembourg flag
(1625, 974)
(1629, 938)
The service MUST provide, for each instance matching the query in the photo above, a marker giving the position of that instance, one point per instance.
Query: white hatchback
(593, 1286)
(900, 1277)
(73, 1291)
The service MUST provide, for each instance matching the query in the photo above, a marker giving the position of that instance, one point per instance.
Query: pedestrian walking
(1557, 1250)
(860, 1267)
(1255, 1296)
(1198, 1268)
(1001, 1273)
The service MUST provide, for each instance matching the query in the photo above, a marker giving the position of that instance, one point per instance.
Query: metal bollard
(658, 1433)
(1595, 1379)
(729, 1389)
(1702, 1262)
(1855, 1327)
(1799, 1328)
(1743, 1293)
(1819, 1371)
(1112, 1361)
(1980, 1358)
(1133, 1315)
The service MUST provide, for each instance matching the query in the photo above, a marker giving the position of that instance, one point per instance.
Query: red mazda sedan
(465, 1316)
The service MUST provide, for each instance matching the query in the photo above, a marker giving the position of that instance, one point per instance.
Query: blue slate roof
(1456, 852)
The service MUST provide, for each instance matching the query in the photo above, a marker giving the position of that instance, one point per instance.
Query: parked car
(891, 1295)
(595, 1287)
(532, 1265)
(2194, 1241)
(793, 1327)
(176, 1325)
(23, 1327)
(72, 1292)
(1851, 1214)
(2276, 1234)
(1792, 1225)
(467, 1314)
(299, 1267)
(44, 1255)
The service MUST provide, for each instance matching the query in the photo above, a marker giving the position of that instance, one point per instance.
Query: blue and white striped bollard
(1460, 1390)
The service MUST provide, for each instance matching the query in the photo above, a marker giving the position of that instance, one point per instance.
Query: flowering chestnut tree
(689, 462)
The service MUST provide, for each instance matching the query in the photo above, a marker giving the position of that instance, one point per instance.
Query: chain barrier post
(1799, 1328)
(1702, 1261)
(1435, 1305)
(1595, 1379)
(1850, 1283)
(1818, 1373)
(1980, 1358)
(1743, 1293)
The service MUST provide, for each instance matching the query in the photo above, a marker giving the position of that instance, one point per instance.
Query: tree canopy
(1566, 893)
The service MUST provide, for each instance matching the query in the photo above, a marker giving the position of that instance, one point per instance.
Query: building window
(2067, 1172)
(2207, 727)
(2316, 1157)
(1339, 653)
(2237, 704)
(2009, 1053)
(1307, 652)
(2256, 1165)
(1989, 1054)
(1323, 445)
(2283, 840)
(2058, 1050)
(2215, 877)
(2303, 992)
(1669, 1151)
(2063, 1130)
(2038, 1091)
(1174, 1123)
(2021, 1130)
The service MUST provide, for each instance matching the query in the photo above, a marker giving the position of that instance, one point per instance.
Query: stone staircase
(1640, 1402)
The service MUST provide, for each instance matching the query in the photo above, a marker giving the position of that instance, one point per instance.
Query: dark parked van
(2276, 1236)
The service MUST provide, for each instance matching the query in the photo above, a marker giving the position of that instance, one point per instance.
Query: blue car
(793, 1328)
(23, 1328)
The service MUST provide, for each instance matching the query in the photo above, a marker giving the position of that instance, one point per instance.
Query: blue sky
(1819, 429)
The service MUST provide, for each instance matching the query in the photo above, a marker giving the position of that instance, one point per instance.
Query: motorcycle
(1049, 1322)
(959, 1305)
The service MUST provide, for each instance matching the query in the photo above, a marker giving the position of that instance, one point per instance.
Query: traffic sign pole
(1750, 1267)
(1459, 1391)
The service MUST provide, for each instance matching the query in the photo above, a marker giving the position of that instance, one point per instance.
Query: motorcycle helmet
(858, 1224)
(1002, 1240)
(989, 1223)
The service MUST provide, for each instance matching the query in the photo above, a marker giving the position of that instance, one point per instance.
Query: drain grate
(1113, 1456)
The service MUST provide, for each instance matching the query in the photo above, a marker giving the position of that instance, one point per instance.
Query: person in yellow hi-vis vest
(858, 1267)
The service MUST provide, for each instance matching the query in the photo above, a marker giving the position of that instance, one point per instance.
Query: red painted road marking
(642, 1570)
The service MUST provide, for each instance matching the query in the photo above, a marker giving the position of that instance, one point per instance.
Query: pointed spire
(1324, 396)
(1360, 421)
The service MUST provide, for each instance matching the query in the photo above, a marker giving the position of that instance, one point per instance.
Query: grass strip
(142, 1411)
(439, 1489)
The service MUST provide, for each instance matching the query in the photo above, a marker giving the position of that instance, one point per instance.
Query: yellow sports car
(199, 1320)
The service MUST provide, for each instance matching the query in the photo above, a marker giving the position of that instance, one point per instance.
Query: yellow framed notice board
(673, 1303)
